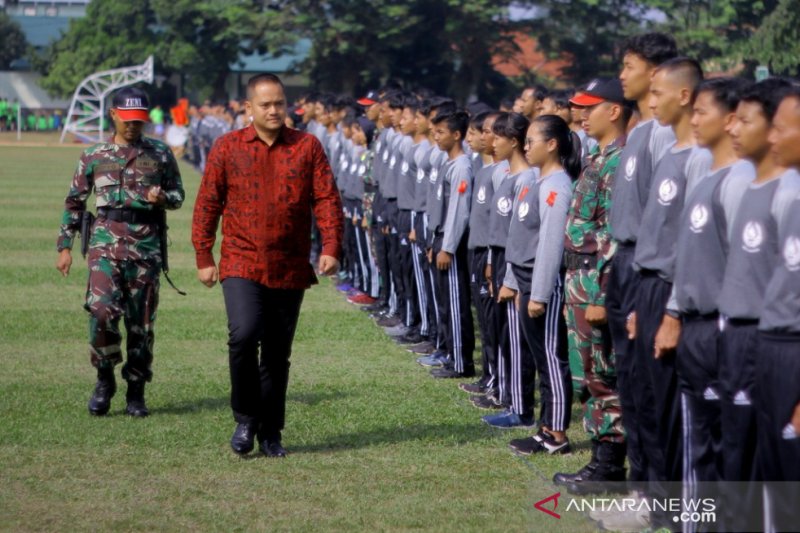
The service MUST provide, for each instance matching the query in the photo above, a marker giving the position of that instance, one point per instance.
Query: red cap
(130, 115)
(586, 100)
(369, 99)
(299, 111)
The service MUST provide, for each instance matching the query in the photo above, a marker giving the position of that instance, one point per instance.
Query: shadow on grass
(315, 398)
(456, 434)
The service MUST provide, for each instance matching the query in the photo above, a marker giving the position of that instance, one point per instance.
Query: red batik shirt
(266, 195)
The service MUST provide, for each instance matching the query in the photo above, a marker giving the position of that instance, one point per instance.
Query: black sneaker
(473, 388)
(450, 373)
(542, 442)
(486, 402)
(422, 348)
(410, 338)
(389, 321)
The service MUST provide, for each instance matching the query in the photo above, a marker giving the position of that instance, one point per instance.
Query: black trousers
(261, 321)
(350, 263)
(697, 365)
(777, 395)
(484, 308)
(545, 338)
(620, 299)
(454, 308)
(381, 248)
(739, 355)
(407, 290)
(500, 332)
(419, 264)
(392, 243)
(658, 402)
(370, 281)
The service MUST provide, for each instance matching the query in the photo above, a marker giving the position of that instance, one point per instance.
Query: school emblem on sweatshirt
(393, 161)
(434, 175)
(385, 156)
(504, 206)
(439, 192)
(522, 211)
(667, 191)
(420, 175)
(362, 169)
(752, 237)
(481, 195)
(404, 167)
(791, 253)
(699, 218)
(630, 168)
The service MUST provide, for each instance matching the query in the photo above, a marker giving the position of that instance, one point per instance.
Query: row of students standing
(664, 258)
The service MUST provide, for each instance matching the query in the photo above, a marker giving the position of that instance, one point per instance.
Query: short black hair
(686, 67)
(397, 100)
(457, 121)
(442, 105)
(725, 91)
(654, 47)
(561, 97)
(264, 77)
(767, 93)
(478, 120)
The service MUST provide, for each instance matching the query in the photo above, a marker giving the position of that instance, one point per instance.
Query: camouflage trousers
(125, 289)
(602, 416)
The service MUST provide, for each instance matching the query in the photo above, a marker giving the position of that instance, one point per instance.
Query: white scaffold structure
(86, 112)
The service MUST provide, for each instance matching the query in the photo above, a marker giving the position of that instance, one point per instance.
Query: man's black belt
(131, 216)
(576, 261)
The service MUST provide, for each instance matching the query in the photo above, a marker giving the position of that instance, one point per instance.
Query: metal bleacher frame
(87, 109)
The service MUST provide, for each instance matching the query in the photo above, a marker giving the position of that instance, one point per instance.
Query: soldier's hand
(630, 325)
(208, 276)
(667, 336)
(64, 261)
(506, 294)
(156, 196)
(536, 309)
(596, 315)
(328, 266)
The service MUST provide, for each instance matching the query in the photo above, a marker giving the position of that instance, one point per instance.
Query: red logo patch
(552, 198)
(540, 505)
(523, 192)
(462, 187)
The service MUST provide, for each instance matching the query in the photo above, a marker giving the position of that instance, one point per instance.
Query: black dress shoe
(272, 448)
(243, 438)
(104, 390)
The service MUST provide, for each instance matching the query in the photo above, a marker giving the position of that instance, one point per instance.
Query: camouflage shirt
(121, 177)
(587, 224)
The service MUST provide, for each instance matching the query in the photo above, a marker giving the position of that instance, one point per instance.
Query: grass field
(376, 444)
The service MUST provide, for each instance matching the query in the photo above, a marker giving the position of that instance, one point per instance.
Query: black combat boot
(135, 399)
(104, 390)
(607, 476)
(563, 479)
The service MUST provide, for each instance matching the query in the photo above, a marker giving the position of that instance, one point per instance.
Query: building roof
(41, 31)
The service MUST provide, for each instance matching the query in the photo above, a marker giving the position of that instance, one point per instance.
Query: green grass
(376, 444)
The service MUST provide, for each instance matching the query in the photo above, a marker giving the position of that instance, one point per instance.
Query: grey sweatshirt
(536, 234)
(754, 254)
(646, 144)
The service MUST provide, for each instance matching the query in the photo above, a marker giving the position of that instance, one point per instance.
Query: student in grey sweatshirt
(644, 147)
(534, 260)
(778, 411)
(509, 131)
(449, 216)
(702, 249)
(655, 324)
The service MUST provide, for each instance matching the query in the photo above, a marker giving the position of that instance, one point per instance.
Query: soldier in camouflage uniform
(587, 254)
(134, 178)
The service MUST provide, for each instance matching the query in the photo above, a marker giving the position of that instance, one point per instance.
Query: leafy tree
(777, 41)
(12, 41)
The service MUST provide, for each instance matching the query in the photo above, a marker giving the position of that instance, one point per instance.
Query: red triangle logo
(540, 505)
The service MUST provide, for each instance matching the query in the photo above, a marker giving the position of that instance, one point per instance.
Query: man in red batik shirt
(265, 181)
